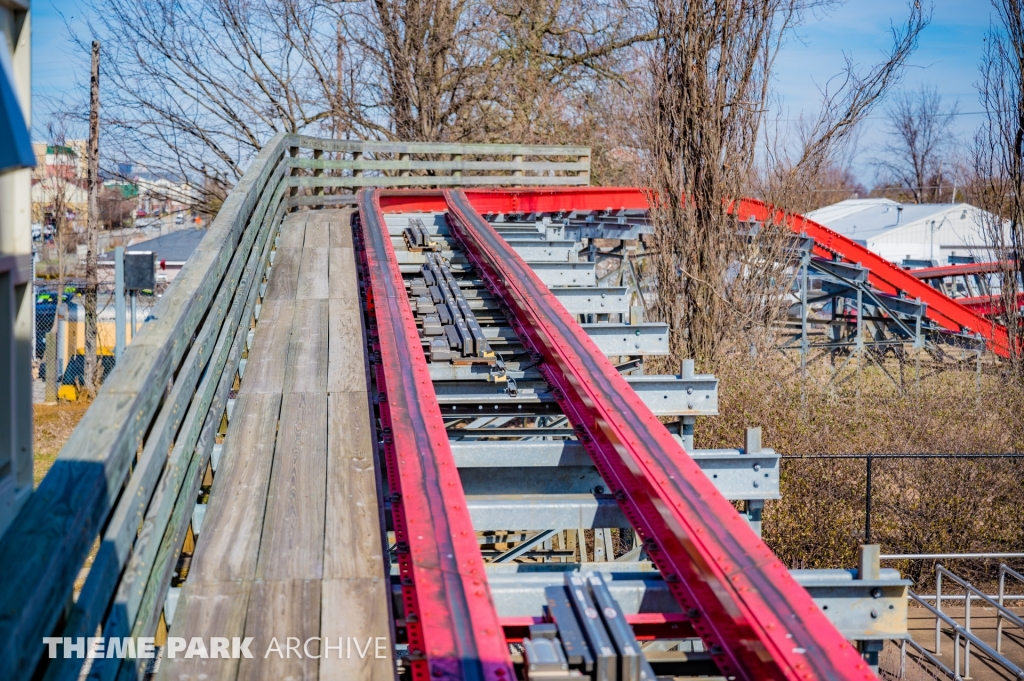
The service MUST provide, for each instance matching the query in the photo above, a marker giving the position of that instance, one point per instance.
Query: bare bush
(919, 505)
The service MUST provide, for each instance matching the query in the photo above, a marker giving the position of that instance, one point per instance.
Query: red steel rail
(986, 306)
(453, 629)
(755, 619)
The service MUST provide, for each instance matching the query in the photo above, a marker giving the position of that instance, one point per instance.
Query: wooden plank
(340, 228)
(230, 541)
(313, 269)
(306, 359)
(346, 366)
(343, 280)
(292, 546)
(293, 231)
(352, 541)
(309, 142)
(317, 230)
(508, 166)
(207, 610)
(186, 406)
(52, 535)
(321, 200)
(356, 609)
(439, 180)
(265, 368)
(282, 610)
(284, 277)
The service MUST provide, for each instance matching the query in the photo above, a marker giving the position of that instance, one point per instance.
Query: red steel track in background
(755, 619)
(987, 306)
(956, 270)
(453, 630)
(884, 275)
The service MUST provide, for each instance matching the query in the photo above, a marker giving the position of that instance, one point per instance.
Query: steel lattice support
(453, 630)
(758, 623)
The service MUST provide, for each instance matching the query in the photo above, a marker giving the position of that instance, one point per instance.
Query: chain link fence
(58, 336)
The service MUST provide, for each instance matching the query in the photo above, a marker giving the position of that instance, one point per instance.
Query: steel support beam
(847, 602)
(539, 250)
(537, 512)
(541, 466)
(578, 300)
(565, 273)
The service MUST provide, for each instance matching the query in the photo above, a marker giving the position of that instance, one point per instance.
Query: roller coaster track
(757, 622)
(887, 277)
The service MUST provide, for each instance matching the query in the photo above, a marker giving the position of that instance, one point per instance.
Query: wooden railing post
(458, 170)
(318, 172)
(517, 159)
(405, 171)
(294, 152)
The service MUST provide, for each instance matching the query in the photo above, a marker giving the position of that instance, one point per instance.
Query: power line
(881, 117)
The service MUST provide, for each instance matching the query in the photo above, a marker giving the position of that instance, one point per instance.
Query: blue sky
(947, 58)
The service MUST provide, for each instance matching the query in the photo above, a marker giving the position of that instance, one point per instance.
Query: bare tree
(914, 158)
(794, 174)
(562, 56)
(194, 89)
(997, 159)
(708, 90)
(93, 226)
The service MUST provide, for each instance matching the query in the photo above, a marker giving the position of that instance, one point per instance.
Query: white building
(921, 232)
(161, 195)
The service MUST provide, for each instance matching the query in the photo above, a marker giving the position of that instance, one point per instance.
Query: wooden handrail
(133, 465)
(48, 541)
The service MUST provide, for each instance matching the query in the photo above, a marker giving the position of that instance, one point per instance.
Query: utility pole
(93, 225)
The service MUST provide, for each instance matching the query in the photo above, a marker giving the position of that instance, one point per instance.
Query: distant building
(163, 195)
(67, 160)
(172, 252)
(46, 196)
(925, 233)
(59, 179)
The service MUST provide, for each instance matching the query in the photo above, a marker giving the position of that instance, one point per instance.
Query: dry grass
(919, 506)
(53, 426)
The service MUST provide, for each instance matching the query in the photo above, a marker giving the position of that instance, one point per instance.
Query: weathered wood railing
(344, 165)
(128, 479)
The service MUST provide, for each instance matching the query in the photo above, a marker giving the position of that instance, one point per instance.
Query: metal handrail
(959, 632)
(1004, 570)
(969, 588)
(947, 556)
(926, 654)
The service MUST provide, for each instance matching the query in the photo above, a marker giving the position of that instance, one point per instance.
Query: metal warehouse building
(910, 232)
